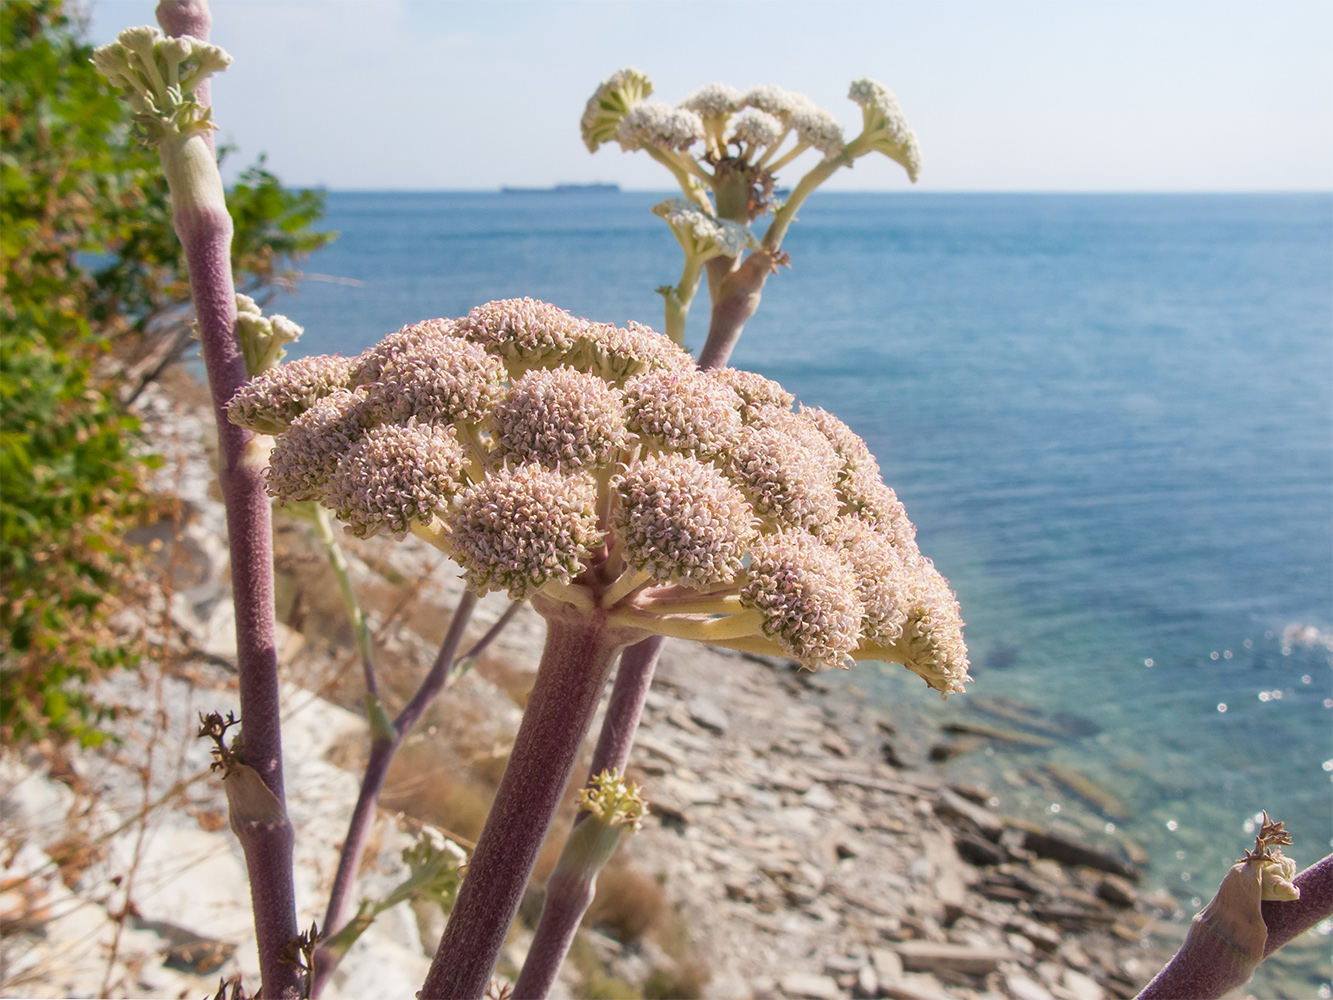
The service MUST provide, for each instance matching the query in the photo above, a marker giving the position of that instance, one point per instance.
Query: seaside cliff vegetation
(93, 306)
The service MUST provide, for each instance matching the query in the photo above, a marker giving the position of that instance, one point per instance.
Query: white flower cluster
(717, 100)
(886, 126)
(159, 76)
(701, 235)
(656, 123)
(756, 128)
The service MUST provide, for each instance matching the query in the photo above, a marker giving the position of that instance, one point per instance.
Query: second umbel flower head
(594, 468)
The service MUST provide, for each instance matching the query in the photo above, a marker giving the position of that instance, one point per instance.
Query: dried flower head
(594, 466)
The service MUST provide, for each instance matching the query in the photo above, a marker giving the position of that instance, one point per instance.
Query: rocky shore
(797, 847)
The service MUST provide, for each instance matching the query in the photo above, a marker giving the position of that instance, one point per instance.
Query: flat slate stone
(802, 984)
(959, 957)
(705, 712)
(1070, 852)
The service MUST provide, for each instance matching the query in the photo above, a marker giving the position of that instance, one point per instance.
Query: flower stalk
(576, 660)
(385, 738)
(609, 807)
(166, 84)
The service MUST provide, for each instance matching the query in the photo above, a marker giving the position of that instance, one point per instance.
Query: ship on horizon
(597, 188)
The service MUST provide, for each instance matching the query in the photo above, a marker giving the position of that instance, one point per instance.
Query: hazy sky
(1018, 95)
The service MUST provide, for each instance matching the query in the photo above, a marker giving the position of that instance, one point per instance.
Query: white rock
(802, 984)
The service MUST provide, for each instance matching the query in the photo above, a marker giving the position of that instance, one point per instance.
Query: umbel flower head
(746, 136)
(595, 467)
(159, 76)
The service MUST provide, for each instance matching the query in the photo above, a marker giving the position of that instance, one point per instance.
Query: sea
(1110, 417)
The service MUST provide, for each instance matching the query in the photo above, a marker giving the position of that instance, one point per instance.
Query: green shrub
(92, 274)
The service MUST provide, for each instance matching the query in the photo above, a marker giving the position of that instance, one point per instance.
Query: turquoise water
(1110, 416)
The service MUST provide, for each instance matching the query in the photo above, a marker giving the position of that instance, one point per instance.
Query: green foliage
(92, 270)
(272, 226)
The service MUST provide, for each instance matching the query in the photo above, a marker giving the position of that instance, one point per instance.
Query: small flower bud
(613, 801)
(159, 76)
(263, 339)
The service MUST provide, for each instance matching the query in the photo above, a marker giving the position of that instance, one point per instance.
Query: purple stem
(633, 679)
(570, 892)
(383, 746)
(1285, 920)
(568, 895)
(480, 645)
(737, 295)
(1206, 968)
(580, 649)
(205, 235)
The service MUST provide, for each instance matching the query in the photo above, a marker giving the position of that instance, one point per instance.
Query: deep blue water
(1110, 416)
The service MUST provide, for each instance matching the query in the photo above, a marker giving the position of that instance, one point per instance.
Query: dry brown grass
(427, 788)
(628, 903)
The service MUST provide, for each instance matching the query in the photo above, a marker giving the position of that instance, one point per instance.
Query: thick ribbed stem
(1207, 967)
(736, 297)
(199, 213)
(580, 648)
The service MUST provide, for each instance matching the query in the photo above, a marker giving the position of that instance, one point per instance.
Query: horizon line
(550, 189)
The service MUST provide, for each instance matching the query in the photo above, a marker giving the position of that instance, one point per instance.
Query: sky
(1005, 95)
